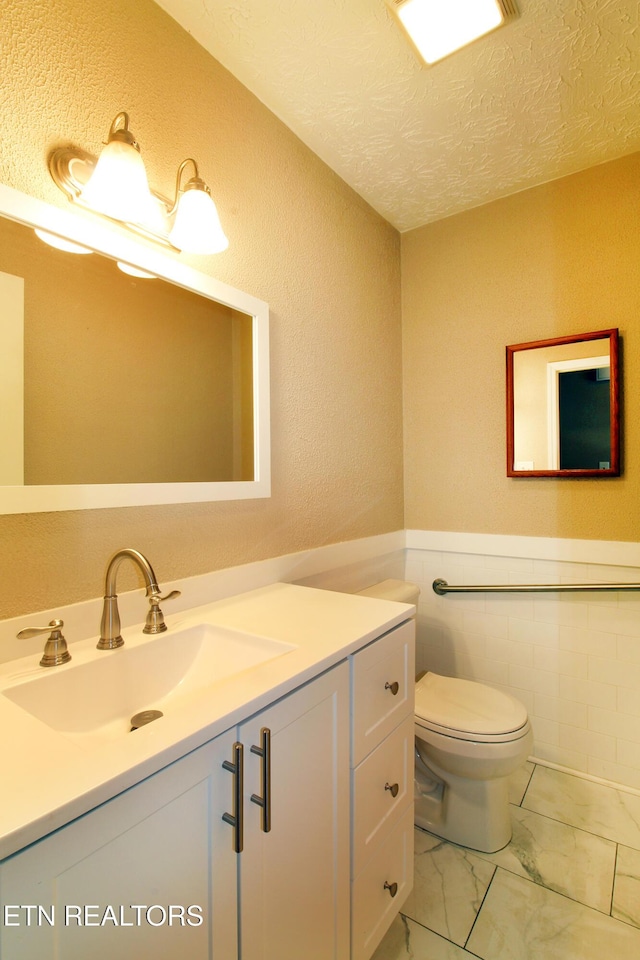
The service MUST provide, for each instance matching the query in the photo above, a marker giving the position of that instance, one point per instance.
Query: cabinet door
(119, 881)
(294, 880)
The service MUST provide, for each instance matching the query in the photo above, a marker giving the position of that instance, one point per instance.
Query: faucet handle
(169, 596)
(55, 649)
(155, 618)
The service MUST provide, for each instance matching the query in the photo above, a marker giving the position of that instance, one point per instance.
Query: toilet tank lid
(400, 590)
(467, 706)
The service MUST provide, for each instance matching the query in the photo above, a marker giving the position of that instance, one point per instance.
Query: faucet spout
(110, 637)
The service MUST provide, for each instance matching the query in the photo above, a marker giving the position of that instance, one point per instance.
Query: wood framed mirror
(563, 406)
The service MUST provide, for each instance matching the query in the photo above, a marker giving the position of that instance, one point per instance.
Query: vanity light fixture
(196, 225)
(60, 243)
(437, 28)
(115, 185)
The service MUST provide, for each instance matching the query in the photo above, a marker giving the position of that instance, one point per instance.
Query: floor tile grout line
(613, 883)
(475, 919)
(526, 789)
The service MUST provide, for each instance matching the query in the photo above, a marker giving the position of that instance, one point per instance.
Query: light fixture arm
(123, 134)
(195, 183)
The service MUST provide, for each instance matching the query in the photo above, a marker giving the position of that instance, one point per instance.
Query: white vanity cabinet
(382, 749)
(326, 840)
(163, 844)
(159, 845)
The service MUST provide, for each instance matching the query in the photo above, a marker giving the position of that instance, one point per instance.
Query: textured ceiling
(554, 92)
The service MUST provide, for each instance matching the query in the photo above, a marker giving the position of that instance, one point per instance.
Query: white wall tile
(565, 758)
(624, 620)
(563, 711)
(628, 701)
(589, 692)
(545, 731)
(532, 631)
(615, 724)
(617, 672)
(539, 681)
(629, 753)
(510, 651)
(486, 624)
(562, 661)
(563, 612)
(628, 648)
(588, 742)
(573, 659)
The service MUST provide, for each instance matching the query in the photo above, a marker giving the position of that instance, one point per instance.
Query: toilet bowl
(469, 739)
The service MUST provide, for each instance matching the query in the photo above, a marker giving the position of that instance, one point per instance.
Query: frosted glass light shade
(60, 243)
(197, 227)
(118, 187)
(438, 27)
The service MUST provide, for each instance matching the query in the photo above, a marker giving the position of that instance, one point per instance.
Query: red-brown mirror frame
(614, 405)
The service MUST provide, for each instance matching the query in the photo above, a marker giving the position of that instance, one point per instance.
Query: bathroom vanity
(266, 815)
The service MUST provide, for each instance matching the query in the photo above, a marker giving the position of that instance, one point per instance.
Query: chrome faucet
(110, 637)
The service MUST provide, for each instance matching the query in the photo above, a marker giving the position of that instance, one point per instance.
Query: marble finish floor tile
(520, 920)
(562, 858)
(407, 940)
(448, 887)
(594, 807)
(519, 781)
(626, 891)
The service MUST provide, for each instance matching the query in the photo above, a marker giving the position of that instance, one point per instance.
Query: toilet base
(471, 813)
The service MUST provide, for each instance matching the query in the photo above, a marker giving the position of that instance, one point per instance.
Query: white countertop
(50, 778)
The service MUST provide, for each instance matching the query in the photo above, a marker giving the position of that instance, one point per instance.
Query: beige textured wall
(560, 259)
(299, 239)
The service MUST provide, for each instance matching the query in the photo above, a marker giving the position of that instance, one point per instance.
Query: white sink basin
(95, 700)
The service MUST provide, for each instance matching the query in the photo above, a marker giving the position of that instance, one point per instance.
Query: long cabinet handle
(236, 819)
(264, 802)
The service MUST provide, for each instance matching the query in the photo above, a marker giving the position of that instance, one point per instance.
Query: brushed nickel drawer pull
(392, 788)
(394, 687)
(236, 819)
(264, 752)
(391, 887)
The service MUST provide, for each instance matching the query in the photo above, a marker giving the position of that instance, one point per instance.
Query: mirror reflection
(112, 379)
(563, 407)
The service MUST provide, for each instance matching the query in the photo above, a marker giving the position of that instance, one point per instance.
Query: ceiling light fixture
(437, 28)
(115, 185)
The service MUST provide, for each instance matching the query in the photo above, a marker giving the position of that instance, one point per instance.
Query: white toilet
(469, 739)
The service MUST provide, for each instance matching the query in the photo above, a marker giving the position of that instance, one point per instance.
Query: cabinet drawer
(375, 809)
(373, 907)
(383, 688)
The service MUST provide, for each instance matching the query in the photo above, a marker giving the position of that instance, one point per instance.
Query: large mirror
(126, 377)
(563, 407)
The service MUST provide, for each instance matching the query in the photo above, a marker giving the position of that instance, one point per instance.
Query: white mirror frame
(110, 240)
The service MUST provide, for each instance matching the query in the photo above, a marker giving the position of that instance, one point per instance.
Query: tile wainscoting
(573, 659)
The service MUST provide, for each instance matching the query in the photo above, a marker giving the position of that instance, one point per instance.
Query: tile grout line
(475, 919)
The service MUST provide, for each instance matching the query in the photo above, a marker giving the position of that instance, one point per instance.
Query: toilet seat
(467, 710)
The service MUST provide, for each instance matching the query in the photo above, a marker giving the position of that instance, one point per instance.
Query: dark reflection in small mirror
(563, 407)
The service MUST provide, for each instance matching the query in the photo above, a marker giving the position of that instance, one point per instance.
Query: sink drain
(144, 717)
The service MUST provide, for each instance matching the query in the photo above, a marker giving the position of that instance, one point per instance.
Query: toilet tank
(400, 590)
